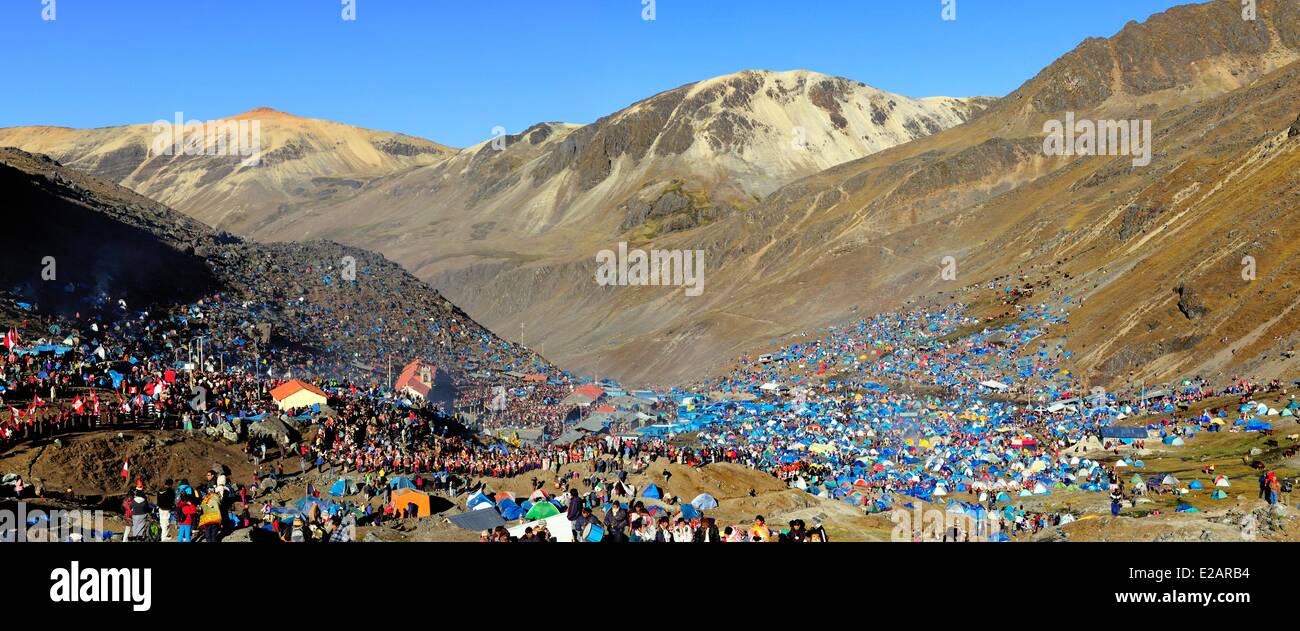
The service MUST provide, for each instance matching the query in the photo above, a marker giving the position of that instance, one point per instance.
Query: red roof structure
(418, 376)
(590, 391)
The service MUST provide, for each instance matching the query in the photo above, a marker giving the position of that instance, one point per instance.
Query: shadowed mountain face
(343, 311)
(815, 199)
(61, 243)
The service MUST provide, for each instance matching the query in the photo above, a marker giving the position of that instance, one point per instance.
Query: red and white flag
(11, 339)
(126, 468)
(77, 405)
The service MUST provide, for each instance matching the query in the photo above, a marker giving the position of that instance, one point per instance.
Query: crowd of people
(914, 404)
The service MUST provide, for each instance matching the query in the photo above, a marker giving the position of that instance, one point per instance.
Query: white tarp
(996, 385)
(558, 526)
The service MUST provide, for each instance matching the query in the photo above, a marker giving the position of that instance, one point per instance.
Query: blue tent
(303, 506)
(690, 512)
(652, 492)
(509, 509)
(479, 498)
(1258, 425)
(704, 501)
(343, 487)
(401, 483)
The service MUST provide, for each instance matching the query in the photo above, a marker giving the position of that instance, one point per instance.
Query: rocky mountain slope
(82, 244)
(1154, 253)
(298, 161)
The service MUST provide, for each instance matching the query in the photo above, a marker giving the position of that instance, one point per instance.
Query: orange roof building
(424, 381)
(297, 393)
(584, 395)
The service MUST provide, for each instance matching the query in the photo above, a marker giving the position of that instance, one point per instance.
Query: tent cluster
(853, 439)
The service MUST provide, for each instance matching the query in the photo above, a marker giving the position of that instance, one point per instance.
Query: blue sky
(451, 70)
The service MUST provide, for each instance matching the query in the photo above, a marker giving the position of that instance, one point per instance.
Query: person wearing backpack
(210, 519)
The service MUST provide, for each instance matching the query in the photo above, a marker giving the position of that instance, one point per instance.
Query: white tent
(995, 385)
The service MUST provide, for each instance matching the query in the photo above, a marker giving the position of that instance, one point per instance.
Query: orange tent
(402, 497)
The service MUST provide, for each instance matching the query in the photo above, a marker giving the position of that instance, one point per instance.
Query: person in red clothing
(185, 511)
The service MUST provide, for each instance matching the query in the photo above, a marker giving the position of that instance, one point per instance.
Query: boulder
(243, 535)
(224, 431)
(275, 429)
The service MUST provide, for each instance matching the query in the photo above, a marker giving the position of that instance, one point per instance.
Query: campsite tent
(400, 482)
(652, 492)
(1196, 485)
(690, 512)
(479, 501)
(704, 501)
(402, 498)
(541, 510)
(343, 487)
(1222, 481)
(1219, 494)
(305, 505)
(509, 509)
